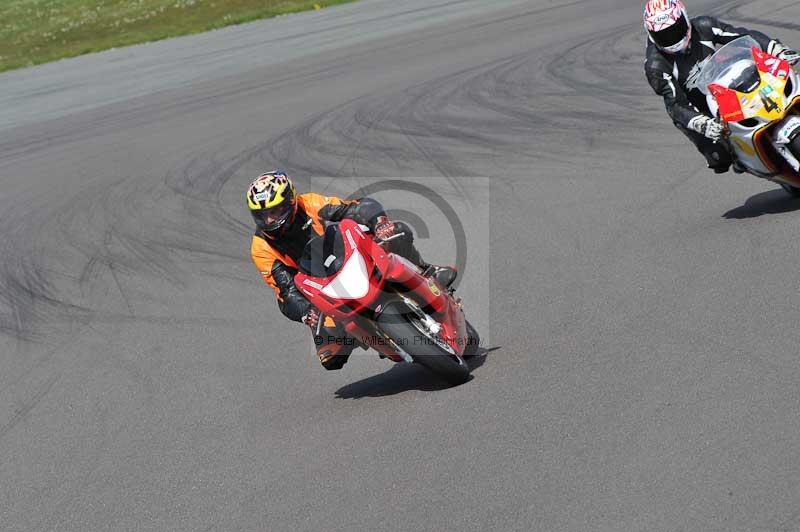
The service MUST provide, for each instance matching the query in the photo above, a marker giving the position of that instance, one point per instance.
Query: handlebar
(383, 241)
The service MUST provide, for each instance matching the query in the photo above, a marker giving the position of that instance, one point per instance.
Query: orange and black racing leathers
(277, 258)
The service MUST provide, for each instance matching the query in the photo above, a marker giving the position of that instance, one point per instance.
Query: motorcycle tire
(794, 192)
(474, 341)
(794, 147)
(398, 322)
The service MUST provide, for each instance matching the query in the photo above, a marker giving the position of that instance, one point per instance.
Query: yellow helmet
(272, 200)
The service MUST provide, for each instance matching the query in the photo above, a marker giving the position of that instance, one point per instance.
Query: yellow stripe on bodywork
(745, 147)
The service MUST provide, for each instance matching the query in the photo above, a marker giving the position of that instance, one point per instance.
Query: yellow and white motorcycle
(757, 96)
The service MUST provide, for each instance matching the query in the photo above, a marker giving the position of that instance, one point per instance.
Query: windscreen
(323, 256)
(731, 66)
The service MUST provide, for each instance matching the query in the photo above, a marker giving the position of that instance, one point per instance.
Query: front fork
(785, 133)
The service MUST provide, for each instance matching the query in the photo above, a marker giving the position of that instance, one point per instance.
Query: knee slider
(718, 157)
(335, 362)
(333, 356)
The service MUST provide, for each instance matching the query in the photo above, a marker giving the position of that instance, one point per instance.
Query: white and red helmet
(668, 25)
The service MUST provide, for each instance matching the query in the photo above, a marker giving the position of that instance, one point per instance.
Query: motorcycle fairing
(364, 264)
(767, 100)
(367, 265)
(753, 115)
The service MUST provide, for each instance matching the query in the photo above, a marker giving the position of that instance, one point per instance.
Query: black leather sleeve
(364, 211)
(660, 76)
(291, 301)
(722, 33)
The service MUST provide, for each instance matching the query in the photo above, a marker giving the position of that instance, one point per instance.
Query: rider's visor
(272, 219)
(672, 35)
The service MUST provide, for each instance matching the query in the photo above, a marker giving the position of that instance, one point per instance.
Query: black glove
(777, 49)
(789, 56)
(384, 228)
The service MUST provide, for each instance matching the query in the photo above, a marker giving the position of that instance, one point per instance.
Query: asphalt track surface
(642, 318)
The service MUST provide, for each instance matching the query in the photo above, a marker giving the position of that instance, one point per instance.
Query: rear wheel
(413, 337)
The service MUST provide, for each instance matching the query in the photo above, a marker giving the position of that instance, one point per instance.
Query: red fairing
(454, 327)
(381, 267)
(376, 261)
(770, 64)
(729, 107)
(429, 296)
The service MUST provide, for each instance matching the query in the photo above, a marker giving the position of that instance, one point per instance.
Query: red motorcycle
(382, 301)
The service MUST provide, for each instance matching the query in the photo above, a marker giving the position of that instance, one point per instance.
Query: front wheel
(473, 341)
(794, 148)
(407, 331)
(794, 192)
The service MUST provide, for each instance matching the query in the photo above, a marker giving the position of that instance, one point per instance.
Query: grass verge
(38, 31)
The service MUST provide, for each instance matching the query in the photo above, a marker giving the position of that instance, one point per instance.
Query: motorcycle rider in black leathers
(676, 49)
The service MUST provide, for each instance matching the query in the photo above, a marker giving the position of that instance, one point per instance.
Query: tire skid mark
(393, 128)
(107, 233)
(500, 107)
(459, 124)
(733, 12)
(27, 288)
(607, 66)
(22, 411)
